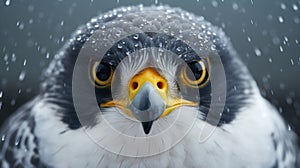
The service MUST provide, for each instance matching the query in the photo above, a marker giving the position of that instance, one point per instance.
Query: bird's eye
(197, 76)
(101, 74)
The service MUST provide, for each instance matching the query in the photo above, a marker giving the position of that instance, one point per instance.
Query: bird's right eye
(101, 74)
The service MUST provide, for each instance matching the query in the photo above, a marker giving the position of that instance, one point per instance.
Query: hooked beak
(147, 106)
(148, 98)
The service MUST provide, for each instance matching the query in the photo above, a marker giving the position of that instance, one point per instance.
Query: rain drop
(289, 100)
(78, 38)
(30, 8)
(289, 127)
(1, 94)
(21, 26)
(292, 61)
(24, 63)
(228, 110)
(280, 110)
(270, 17)
(295, 7)
(13, 102)
(280, 48)
(257, 51)
(13, 57)
(96, 25)
(136, 36)
(3, 138)
(213, 47)
(119, 46)
(235, 6)
(7, 2)
(296, 20)
(282, 6)
(249, 39)
(47, 55)
(200, 36)
(270, 60)
(22, 75)
(118, 33)
(17, 141)
(247, 91)
(178, 49)
(214, 3)
(280, 19)
(281, 85)
(5, 58)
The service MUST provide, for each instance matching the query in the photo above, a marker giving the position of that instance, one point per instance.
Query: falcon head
(150, 83)
(146, 66)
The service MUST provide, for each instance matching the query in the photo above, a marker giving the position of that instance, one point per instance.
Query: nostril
(134, 85)
(160, 85)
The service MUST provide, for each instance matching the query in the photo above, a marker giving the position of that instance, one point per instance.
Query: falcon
(147, 87)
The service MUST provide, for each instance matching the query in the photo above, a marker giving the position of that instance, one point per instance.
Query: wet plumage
(47, 132)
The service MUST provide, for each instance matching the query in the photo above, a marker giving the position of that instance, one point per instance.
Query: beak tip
(147, 126)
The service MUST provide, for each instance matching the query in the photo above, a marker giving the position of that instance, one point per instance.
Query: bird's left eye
(197, 76)
(101, 74)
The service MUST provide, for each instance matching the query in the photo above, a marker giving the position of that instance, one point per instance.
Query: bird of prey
(139, 87)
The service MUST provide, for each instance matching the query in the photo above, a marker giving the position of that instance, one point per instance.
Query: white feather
(246, 142)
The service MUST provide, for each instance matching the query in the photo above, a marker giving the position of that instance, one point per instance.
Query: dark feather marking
(284, 147)
(13, 141)
(275, 164)
(64, 131)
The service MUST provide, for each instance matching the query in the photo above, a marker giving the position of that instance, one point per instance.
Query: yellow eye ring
(105, 72)
(197, 76)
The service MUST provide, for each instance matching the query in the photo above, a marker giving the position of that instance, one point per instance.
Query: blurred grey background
(266, 34)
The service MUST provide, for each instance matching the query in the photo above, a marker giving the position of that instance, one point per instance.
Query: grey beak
(147, 106)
